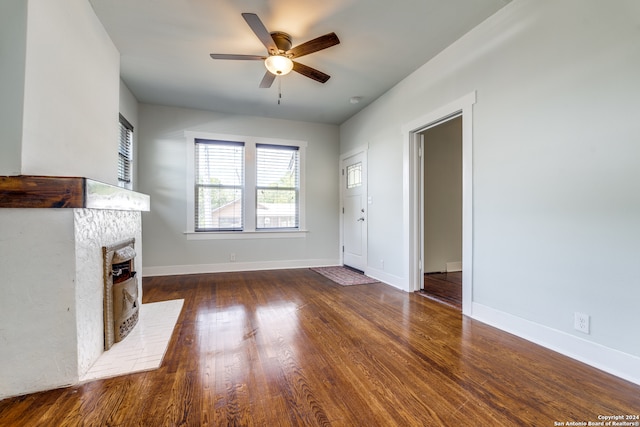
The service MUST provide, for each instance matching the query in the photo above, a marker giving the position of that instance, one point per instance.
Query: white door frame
(411, 187)
(362, 149)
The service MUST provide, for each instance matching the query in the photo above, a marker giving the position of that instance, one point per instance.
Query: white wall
(37, 308)
(71, 93)
(555, 168)
(162, 175)
(13, 40)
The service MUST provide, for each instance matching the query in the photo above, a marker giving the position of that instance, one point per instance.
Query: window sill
(243, 235)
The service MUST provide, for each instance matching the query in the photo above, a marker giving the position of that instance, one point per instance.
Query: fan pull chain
(279, 90)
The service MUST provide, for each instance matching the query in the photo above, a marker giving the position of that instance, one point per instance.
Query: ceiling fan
(279, 60)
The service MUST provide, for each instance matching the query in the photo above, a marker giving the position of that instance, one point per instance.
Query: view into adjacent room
(442, 218)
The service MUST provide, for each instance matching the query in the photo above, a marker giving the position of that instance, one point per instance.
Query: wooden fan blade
(267, 80)
(314, 45)
(312, 73)
(240, 57)
(260, 31)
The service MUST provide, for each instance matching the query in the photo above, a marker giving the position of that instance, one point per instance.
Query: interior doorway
(441, 171)
(412, 189)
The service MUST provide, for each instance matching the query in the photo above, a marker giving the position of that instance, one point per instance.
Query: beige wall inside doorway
(442, 159)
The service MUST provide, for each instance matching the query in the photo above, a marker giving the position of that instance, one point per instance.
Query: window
(125, 153)
(278, 185)
(244, 187)
(354, 175)
(219, 185)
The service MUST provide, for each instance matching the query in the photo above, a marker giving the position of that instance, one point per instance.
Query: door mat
(344, 276)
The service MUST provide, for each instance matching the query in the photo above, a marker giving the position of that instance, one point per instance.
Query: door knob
(360, 219)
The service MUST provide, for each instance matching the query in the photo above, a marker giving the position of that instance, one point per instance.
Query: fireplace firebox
(121, 305)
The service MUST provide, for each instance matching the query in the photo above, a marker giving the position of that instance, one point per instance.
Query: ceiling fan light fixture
(278, 65)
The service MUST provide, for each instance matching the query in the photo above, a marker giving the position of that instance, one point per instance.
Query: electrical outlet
(232, 257)
(581, 322)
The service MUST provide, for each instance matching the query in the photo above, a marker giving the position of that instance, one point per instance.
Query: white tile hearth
(143, 349)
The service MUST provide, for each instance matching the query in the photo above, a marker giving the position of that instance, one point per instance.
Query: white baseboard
(385, 277)
(613, 361)
(176, 270)
(454, 266)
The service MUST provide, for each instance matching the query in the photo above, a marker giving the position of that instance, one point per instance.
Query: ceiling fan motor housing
(282, 41)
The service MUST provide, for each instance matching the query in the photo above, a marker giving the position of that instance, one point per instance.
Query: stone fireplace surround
(52, 230)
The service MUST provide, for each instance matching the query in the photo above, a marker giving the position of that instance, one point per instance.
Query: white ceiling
(165, 47)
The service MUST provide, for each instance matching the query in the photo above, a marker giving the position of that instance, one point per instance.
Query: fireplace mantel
(30, 191)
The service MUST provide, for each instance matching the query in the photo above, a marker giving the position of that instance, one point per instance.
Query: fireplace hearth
(121, 305)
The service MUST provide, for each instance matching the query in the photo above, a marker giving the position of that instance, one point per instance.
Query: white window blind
(125, 149)
(277, 186)
(219, 185)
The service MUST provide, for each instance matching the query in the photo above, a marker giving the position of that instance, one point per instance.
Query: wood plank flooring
(444, 287)
(292, 348)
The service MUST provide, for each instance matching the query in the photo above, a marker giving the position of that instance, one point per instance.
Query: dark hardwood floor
(444, 287)
(282, 348)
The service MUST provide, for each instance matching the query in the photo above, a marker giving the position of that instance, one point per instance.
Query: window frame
(250, 184)
(295, 188)
(240, 186)
(124, 123)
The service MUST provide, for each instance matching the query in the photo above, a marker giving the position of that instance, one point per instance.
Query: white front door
(354, 211)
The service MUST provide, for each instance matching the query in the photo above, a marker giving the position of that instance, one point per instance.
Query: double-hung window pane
(125, 149)
(277, 186)
(219, 185)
